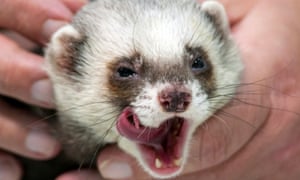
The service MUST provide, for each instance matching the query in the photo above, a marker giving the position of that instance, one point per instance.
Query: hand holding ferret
(36, 20)
(22, 77)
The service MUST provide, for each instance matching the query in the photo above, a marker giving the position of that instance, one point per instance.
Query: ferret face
(144, 75)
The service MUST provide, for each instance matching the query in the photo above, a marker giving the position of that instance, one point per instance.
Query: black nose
(175, 99)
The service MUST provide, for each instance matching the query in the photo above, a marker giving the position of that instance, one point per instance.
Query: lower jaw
(170, 166)
(157, 166)
(161, 173)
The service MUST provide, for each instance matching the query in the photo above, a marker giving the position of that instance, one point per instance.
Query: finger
(80, 175)
(36, 19)
(23, 42)
(74, 6)
(21, 133)
(10, 169)
(115, 164)
(22, 75)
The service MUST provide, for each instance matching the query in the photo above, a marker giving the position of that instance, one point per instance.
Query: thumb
(113, 163)
(36, 19)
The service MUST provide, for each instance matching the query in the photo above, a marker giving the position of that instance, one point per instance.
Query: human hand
(255, 136)
(21, 72)
(22, 77)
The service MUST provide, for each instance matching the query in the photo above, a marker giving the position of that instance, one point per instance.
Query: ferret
(143, 74)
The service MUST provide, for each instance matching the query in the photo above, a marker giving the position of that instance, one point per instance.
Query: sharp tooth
(177, 162)
(158, 163)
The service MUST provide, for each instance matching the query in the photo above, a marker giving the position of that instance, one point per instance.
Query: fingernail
(9, 170)
(80, 175)
(41, 91)
(50, 26)
(41, 143)
(115, 170)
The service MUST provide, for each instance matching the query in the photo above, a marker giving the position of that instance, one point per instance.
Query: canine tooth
(177, 162)
(158, 163)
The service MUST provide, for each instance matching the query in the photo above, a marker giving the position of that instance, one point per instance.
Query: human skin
(22, 77)
(255, 136)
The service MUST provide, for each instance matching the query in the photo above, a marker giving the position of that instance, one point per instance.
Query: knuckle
(5, 129)
(8, 66)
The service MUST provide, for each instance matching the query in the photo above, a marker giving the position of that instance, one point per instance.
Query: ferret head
(144, 74)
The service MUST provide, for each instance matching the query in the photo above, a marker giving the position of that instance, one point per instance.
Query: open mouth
(162, 147)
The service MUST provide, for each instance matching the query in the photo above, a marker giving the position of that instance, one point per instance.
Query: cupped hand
(21, 72)
(22, 77)
(256, 135)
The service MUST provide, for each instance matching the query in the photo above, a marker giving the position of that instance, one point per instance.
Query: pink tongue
(129, 126)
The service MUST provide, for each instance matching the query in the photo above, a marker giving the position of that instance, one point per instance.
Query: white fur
(124, 27)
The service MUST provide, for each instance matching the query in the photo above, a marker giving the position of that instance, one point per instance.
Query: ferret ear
(62, 54)
(216, 12)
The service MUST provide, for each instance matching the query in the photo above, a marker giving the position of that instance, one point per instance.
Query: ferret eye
(199, 64)
(125, 72)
